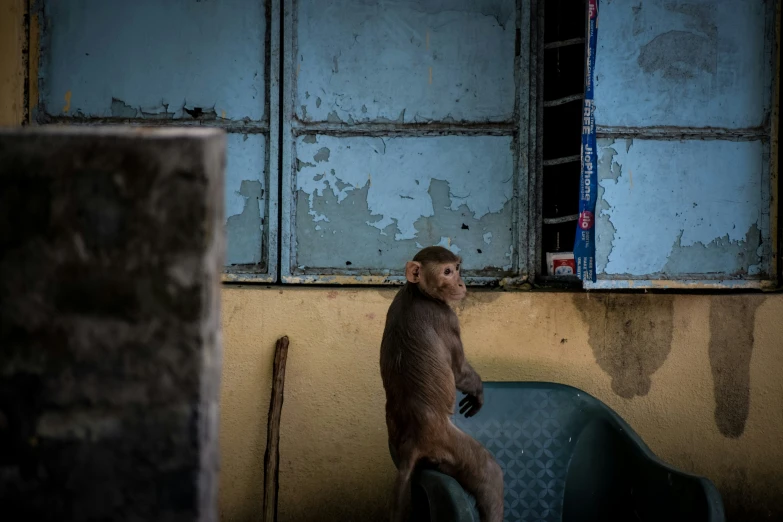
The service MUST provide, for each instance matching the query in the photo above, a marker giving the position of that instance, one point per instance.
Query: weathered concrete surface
(111, 247)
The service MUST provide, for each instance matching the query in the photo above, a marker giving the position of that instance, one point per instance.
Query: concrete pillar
(111, 249)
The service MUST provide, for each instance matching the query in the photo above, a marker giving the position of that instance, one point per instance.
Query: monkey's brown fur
(422, 362)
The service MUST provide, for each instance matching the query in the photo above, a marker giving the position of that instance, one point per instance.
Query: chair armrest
(613, 476)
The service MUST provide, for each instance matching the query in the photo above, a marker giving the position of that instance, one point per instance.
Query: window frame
(280, 130)
(523, 160)
(767, 134)
(269, 126)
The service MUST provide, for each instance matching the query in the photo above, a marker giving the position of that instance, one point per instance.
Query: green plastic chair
(565, 456)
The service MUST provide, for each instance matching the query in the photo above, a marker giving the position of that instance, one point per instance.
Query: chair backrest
(531, 429)
(565, 455)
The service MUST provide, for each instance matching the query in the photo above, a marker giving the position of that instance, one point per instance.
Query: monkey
(422, 364)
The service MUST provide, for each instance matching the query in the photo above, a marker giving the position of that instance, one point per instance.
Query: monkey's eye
(458, 267)
(447, 271)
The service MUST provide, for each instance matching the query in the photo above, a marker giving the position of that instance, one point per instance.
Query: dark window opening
(563, 92)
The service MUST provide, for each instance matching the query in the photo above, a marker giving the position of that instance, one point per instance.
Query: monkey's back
(415, 360)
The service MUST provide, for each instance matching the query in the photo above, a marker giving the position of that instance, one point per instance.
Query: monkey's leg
(476, 470)
(401, 500)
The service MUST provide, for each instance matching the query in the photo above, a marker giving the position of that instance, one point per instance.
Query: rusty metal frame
(518, 129)
(266, 272)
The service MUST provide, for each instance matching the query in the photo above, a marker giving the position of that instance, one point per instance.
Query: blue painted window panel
(371, 203)
(405, 61)
(677, 208)
(151, 58)
(703, 63)
(245, 198)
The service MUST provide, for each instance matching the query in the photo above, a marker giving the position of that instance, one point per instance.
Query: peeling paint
(140, 72)
(200, 113)
(158, 113)
(330, 241)
(395, 164)
(352, 88)
(245, 202)
(321, 155)
(717, 256)
(244, 231)
(607, 167)
(436, 197)
(605, 230)
(120, 109)
(691, 210)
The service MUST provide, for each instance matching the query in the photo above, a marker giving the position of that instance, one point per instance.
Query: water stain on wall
(630, 335)
(732, 321)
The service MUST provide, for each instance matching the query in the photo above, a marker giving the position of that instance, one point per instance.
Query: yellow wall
(655, 359)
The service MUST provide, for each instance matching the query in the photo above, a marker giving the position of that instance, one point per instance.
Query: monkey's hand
(471, 404)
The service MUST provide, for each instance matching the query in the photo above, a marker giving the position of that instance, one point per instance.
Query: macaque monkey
(422, 362)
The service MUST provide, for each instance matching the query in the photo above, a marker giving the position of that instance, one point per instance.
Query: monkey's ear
(413, 271)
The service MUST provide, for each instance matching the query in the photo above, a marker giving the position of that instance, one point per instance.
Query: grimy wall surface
(698, 377)
(111, 250)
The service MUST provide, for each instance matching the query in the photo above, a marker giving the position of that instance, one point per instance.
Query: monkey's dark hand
(471, 404)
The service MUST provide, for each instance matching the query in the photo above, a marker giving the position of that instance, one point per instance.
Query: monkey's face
(446, 280)
(440, 280)
(436, 271)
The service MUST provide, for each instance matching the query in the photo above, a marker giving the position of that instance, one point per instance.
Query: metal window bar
(564, 43)
(558, 10)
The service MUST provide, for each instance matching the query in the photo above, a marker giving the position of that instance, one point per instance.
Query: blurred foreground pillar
(111, 251)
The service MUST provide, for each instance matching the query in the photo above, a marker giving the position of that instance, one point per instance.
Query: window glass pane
(695, 64)
(154, 59)
(371, 203)
(405, 61)
(245, 198)
(678, 208)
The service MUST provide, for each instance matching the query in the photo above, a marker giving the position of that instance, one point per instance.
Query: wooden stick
(272, 455)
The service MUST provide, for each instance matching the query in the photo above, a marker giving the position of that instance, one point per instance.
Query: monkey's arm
(465, 377)
(467, 381)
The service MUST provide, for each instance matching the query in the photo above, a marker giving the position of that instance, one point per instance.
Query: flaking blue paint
(677, 208)
(701, 63)
(692, 210)
(245, 197)
(405, 61)
(154, 57)
(373, 202)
